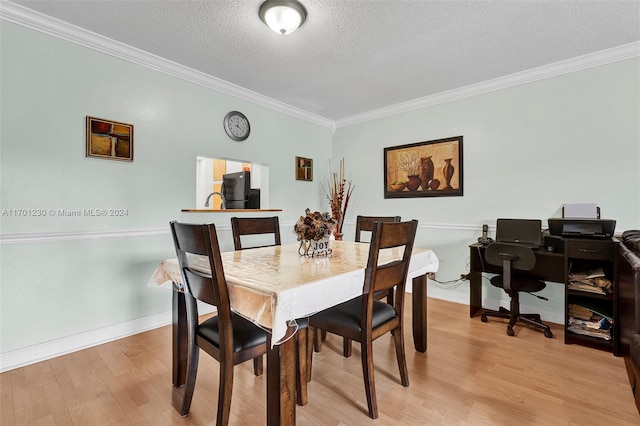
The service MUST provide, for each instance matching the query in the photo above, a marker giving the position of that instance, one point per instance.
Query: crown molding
(34, 20)
(615, 54)
(29, 18)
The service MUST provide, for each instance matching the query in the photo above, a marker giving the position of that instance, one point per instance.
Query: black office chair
(512, 258)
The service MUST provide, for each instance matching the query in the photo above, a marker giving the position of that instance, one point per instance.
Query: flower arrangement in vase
(338, 193)
(313, 230)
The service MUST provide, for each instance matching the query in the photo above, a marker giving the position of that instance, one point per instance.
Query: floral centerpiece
(338, 193)
(313, 230)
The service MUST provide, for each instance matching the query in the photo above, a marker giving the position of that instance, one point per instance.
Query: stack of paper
(589, 322)
(593, 281)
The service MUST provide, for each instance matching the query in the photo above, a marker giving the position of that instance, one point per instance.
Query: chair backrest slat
(254, 226)
(388, 235)
(365, 223)
(201, 240)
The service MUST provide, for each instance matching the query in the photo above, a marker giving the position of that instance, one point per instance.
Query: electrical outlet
(464, 277)
(431, 275)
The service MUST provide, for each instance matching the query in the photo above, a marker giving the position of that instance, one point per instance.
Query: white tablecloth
(274, 285)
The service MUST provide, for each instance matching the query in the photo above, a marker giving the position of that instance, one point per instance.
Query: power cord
(447, 284)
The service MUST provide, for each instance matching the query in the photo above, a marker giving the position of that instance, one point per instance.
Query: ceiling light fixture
(283, 16)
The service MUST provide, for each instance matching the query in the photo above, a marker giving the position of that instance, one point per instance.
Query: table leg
(419, 307)
(180, 336)
(475, 293)
(281, 385)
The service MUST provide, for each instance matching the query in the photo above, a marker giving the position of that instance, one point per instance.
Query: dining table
(273, 286)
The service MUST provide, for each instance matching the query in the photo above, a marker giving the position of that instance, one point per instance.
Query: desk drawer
(605, 250)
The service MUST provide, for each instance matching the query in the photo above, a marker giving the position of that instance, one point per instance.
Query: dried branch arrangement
(338, 193)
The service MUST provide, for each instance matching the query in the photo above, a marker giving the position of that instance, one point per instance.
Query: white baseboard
(88, 339)
(54, 348)
(44, 351)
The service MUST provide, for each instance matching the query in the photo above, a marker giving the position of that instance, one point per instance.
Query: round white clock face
(237, 126)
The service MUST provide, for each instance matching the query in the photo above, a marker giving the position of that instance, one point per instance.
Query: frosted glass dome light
(283, 16)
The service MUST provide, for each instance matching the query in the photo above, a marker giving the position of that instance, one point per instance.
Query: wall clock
(237, 126)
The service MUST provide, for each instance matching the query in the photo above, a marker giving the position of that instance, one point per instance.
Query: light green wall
(60, 288)
(528, 149)
(572, 138)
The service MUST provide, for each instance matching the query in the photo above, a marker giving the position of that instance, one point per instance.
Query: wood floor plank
(472, 374)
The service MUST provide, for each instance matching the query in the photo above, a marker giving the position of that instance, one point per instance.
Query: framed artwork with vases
(424, 169)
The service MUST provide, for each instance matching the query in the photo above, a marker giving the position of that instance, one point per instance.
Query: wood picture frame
(424, 169)
(109, 139)
(304, 169)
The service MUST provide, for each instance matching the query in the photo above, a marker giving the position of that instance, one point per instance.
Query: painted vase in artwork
(448, 171)
(413, 182)
(426, 171)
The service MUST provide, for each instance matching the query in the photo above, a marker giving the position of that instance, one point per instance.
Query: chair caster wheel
(510, 331)
(548, 333)
(483, 318)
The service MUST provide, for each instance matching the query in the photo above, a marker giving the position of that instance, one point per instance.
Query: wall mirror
(246, 184)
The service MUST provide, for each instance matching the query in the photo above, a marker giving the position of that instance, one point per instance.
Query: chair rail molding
(36, 237)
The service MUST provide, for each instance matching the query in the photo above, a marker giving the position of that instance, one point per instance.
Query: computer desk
(550, 266)
(553, 265)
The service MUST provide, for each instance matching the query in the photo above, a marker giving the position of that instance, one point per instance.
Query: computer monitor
(519, 231)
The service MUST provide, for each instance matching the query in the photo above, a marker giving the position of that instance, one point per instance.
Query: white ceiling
(352, 57)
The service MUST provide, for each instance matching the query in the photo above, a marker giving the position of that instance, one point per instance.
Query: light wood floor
(471, 374)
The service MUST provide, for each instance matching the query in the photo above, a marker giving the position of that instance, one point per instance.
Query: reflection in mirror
(231, 184)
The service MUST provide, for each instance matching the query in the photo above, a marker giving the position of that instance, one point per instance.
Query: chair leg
(182, 396)
(515, 312)
(319, 336)
(346, 347)
(369, 381)
(402, 359)
(311, 332)
(258, 366)
(225, 388)
(534, 320)
(301, 366)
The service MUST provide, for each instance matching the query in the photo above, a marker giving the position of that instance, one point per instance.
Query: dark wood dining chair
(243, 226)
(363, 224)
(227, 337)
(366, 318)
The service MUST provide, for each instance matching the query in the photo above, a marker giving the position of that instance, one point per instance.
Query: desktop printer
(582, 228)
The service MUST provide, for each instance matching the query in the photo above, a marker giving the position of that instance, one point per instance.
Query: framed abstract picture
(109, 139)
(424, 169)
(304, 168)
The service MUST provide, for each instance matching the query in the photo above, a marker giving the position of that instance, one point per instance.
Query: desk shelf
(588, 295)
(585, 255)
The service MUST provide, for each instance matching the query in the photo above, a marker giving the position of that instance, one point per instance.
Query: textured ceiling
(352, 57)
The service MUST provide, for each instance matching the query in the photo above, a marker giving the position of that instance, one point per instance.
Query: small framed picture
(304, 168)
(109, 139)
